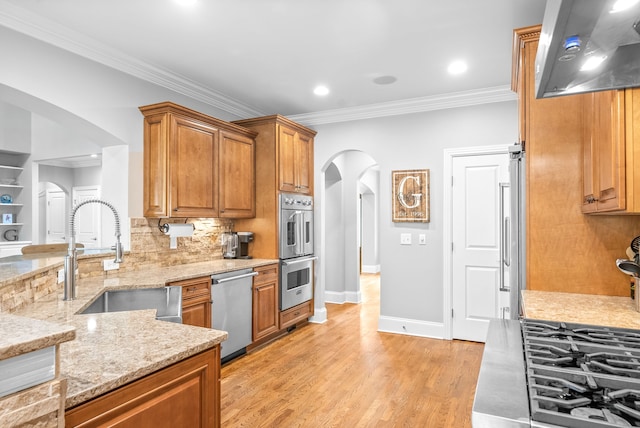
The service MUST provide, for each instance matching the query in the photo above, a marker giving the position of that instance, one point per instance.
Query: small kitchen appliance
(243, 244)
(229, 241)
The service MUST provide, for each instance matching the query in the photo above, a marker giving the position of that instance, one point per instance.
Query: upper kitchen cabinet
(604, 157)
(611, 139)
(290, 147)
(196, 165)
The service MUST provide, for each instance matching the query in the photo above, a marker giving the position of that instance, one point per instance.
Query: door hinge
(451, 312)
(452, 181)
(452, 247)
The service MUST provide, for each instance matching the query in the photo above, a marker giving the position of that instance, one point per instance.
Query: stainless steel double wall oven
(296, 249)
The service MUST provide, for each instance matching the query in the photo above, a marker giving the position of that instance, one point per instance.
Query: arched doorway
(349, 223)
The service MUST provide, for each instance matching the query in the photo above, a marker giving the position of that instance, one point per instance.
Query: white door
(87, 220)
(56, 217)
(476, 223)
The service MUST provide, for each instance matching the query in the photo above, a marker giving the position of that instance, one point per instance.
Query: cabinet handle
(175, 209)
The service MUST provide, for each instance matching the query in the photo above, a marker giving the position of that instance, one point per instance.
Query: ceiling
(257, 57)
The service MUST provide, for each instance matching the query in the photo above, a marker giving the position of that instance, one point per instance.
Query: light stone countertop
(33, 335)
(112, 349)
(612, 311)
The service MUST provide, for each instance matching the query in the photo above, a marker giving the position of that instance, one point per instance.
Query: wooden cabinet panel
(186, 394)
(237, 176)
(304, 164)
(193, 166)
(196, 165)
(196, 301)
(286, 157)
(295, 161)
(296, 314)
(156, 155)
(604, 152)
(265, 301)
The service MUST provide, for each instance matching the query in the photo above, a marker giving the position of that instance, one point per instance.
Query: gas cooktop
(582, 376)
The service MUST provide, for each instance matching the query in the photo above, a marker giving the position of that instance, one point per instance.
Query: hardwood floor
(345, 373)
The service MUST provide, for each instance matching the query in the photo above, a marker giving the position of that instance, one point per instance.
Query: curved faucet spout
(70, 260)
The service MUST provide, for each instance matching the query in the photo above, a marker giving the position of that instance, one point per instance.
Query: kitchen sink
(166, 300)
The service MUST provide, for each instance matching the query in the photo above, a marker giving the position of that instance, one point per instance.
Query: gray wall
(411, 295)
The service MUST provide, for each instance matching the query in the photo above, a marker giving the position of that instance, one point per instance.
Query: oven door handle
(293, 262)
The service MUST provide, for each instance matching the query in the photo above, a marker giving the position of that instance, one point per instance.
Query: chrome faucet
(70, 259)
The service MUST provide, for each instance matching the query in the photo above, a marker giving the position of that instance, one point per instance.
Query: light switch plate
(422, 239)
(405, 239)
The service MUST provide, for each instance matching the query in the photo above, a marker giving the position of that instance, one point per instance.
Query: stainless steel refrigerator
(513, 242)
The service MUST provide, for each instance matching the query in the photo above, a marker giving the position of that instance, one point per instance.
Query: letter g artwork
(410, 190)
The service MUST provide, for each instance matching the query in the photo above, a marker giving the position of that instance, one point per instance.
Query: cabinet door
(590, 157)
(265, 301)
(197, 312)
(609, 135)
(287, 159)
(156, 179)
(237, 176)
(193, 168)
(303, 164)
(186, 394)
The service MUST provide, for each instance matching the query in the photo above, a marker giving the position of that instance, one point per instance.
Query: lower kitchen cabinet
(296, 314)
(196, 301)
(186, 394)
(265, 301)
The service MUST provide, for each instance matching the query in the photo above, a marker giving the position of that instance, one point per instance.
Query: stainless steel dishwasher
(231, 310)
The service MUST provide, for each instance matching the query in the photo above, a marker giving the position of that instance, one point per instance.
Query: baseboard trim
(319, 315)
(370, 268)
(341, 297)
(410, 327)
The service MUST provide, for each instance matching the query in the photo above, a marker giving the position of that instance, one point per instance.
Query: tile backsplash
(149, 246)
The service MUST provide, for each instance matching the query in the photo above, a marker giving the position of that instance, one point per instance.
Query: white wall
(411, 276)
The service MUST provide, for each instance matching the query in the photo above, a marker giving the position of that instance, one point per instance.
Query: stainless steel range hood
(577, 31)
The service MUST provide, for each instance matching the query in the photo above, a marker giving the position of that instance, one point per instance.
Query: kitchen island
(611, 311)
(111, 350)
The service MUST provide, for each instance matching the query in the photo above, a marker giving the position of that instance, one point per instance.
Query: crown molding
(494, 94)
(33, 25)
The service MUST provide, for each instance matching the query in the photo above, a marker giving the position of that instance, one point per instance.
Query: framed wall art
(410, 192)
(7, 218)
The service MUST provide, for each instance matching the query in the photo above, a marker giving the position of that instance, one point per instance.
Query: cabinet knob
(175, 209)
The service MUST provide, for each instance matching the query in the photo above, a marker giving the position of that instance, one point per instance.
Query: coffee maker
(243, 244)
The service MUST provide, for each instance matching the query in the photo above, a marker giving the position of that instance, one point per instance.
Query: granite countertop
(112, 349)
(612, 311)
(34, 335)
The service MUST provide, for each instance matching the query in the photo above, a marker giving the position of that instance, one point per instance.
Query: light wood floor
(345, 373)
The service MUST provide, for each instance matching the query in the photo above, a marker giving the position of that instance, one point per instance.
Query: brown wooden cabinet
(295, 151)
(296, 314)
(552, 130)
(185, 394)
(196, 301)
(284, 162)
(611, 140)
(604, 152)
(265, 301)
(196, 165)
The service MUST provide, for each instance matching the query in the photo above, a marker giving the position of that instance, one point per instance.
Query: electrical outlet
(405, 239)
(422, 239)
(110, 265)
(60, 276)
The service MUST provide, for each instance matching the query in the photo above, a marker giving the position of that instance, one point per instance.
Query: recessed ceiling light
(186, 2)
(321, 90)
(457, 67)
(93, 155)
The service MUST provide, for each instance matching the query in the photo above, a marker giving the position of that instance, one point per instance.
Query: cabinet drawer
(295, 314)
(194, 288)
(266, 274)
